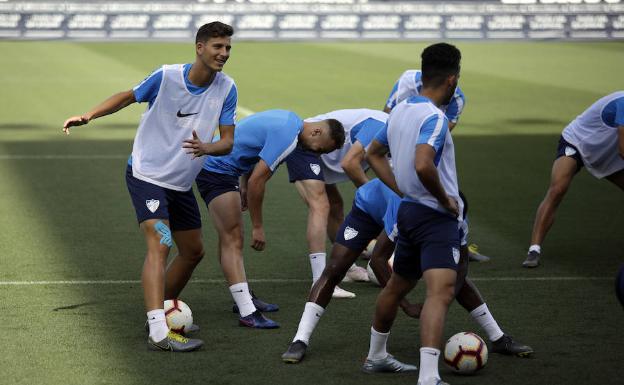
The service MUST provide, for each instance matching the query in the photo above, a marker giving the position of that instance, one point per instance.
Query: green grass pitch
(70, 219)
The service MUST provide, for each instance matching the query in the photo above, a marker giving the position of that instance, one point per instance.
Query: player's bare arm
(107, 107)
(255, 195)
(451, 125)
(352, 164)
(428, 175)
(376, 158)
(387, 109)
(221, 147)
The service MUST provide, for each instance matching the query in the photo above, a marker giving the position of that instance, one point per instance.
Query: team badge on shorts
(569, 151)
(316, 169)
(350, 233)
(456, 255)
(152, 205)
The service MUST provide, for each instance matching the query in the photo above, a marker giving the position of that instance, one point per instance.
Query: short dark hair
(438, 62)
(214, 29)
(336, 131)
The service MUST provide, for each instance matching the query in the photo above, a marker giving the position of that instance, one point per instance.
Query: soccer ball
(179, 316)
(371, 274)
(465, 353)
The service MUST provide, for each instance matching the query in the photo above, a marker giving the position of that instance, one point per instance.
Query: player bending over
(261, 142)
(315, 178)
(375, 209)
(184, 101)
(595, 139)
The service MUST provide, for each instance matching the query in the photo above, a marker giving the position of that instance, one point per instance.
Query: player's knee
(232, 238)
(319, 206)
(333, 272)
(443, 293)
(196, 255)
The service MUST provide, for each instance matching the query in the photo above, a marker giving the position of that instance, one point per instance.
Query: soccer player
(261, 142)
(410, 84)
(184, 101)
(315, 178)
(428, 219)
(595, 139)
(375, 208)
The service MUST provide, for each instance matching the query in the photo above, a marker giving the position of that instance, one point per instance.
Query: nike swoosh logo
(433, 354)
(181, 115)
(481, 315)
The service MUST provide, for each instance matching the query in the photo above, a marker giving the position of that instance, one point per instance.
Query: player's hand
(257, 238)
(243, 194)
(195, 146)
(74, 121)
(452, 206)
(412, 309)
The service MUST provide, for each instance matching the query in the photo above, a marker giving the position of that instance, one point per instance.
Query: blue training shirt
(613, 113)
(147, 90)
(269, 135)
(380, 202)
(364, 132)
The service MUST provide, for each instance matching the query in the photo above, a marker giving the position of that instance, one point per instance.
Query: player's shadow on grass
(85, 206)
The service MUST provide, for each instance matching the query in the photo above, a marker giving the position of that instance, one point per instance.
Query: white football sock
(428, 364)
(309, 319)
(485, 319)
(242, 297)
(158, 328)
(317, 263)
(536, 248)
(377, 349)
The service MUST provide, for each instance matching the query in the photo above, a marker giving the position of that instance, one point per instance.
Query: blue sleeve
(390, 218)
(278, 147)
(367, 132)
(382, 135)
(456, 106)
(619, 112)
(391, 102)
(228, 112)
(147, 90)
(433, 132)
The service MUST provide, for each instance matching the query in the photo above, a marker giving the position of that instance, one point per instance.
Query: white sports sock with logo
(317, 263)
(309, 319)
(157, 322)
(377, 348)
(242, 297)
(485, 319)
(428, 364)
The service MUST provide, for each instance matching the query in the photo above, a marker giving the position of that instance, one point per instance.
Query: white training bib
(157, 153)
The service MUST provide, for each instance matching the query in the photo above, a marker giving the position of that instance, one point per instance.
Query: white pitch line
(282, 280)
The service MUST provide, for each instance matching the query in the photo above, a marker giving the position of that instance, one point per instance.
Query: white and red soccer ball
(465, 353)
(179, 315)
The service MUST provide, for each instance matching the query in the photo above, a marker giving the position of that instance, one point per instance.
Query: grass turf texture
(71, 219)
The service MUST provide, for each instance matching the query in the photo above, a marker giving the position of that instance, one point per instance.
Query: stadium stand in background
(314, 19)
